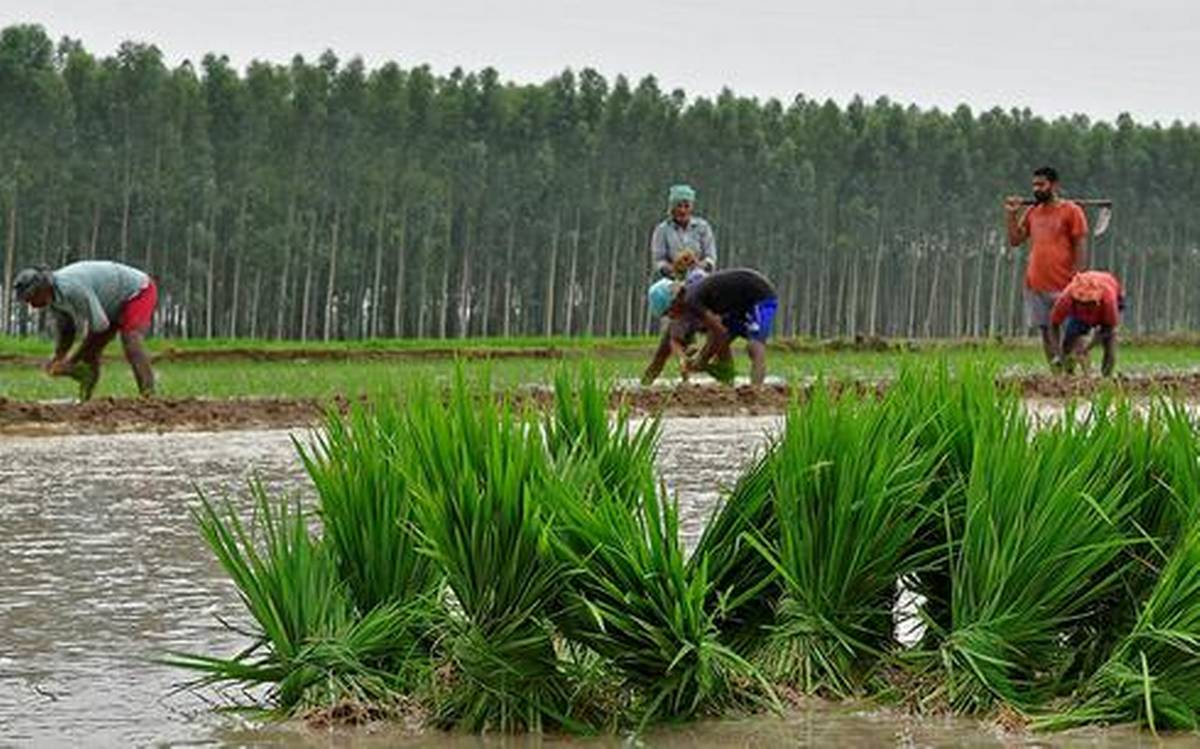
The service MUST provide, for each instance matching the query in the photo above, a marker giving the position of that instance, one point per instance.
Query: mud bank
(113, 415)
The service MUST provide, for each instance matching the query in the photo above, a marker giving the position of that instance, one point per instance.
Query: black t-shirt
(728, 291)
(723, 292)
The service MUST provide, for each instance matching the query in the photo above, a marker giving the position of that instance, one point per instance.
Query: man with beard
(1057, 230)
(682, 241)
(728, 304)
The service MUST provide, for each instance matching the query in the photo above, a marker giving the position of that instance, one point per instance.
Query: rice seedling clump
(514, 570)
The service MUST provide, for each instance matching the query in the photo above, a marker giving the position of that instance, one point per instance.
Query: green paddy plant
(743, 585)
(952, 413)
(1043, 547)
(635, 599)
(308, 645)
(479, 473)
(580, 424)
(851, 492)
(1153, 676)
(356, 464)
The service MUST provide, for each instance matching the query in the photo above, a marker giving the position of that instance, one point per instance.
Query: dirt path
(111, 415)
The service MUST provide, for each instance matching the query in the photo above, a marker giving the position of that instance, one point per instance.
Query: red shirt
(1106, 313)
(1053, 229)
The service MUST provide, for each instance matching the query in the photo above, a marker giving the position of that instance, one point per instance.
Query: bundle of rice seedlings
(743, 585)
(952, 413)
(308, 644)
(580, 425)
(356, 466)
(1043, 547)
(478, 473)
(1153, 676)
(634, 599)
(851, 492)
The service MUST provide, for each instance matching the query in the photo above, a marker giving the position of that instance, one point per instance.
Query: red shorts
(137, 312)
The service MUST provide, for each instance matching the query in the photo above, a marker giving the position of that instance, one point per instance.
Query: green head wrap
(678, 193)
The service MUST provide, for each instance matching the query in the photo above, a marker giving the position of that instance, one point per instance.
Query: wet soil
(112, 415)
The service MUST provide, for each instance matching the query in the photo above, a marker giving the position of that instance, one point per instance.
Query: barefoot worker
(727, 304)
(682, 234)
(1092, 301)
(1057, 230)
(104, 297)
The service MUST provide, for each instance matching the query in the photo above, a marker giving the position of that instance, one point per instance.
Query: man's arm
(64, 336)
(661, 354)
(1080, 250)
(716, 338)
(1014, 216)
(708, 249)
(1079, 239)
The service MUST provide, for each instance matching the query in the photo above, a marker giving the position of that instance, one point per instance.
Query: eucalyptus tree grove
(323, 199)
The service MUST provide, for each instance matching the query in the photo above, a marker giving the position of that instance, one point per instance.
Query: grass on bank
(316, 378)
(511, 570)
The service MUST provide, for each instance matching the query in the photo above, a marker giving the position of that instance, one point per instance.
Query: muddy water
(102, 572)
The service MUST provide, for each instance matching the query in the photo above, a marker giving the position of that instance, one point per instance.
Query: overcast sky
(1098, 57)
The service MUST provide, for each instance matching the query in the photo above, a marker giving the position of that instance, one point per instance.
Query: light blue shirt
(669, 239)
(93, 291)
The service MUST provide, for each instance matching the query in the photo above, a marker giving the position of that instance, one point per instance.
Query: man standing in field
(729, 304)
(107, 299)
(1092, 301)
(1057, 230)
(682, 240)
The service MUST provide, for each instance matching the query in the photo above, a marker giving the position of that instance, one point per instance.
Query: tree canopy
(326, 199)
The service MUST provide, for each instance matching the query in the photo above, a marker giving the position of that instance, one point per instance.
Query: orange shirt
(1106, 313)
(1052, 231)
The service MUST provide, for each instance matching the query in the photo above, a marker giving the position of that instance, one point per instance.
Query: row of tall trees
(323, 199)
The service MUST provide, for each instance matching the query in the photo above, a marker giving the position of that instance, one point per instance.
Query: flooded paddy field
(104, 571)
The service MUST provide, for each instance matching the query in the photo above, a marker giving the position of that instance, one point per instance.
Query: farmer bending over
(1057, 230)
(1092, 301)
(105, 297)
(728, 304)
(681, 232)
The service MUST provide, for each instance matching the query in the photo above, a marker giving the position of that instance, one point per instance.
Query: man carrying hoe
(1057, 230)
(107, 299)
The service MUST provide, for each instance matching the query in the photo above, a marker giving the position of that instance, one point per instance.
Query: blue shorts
(754, 325)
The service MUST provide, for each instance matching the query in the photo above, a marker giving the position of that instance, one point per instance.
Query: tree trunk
(913, 274)
(331, 285)
(874, 307)
(933, 294)
(283, 302)
(305, 309)
(569, 321)
(304, 303)
(611, 298)
(254, 304)
(377, 283)
(187, 280)
(508, 280)
(211, 275)
(10, 258)
(994, 307)
(237, 293)
(95, 229)
(401, 253)
(1014, 295)
(551, 280)
(594, 278)
(423, 286)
